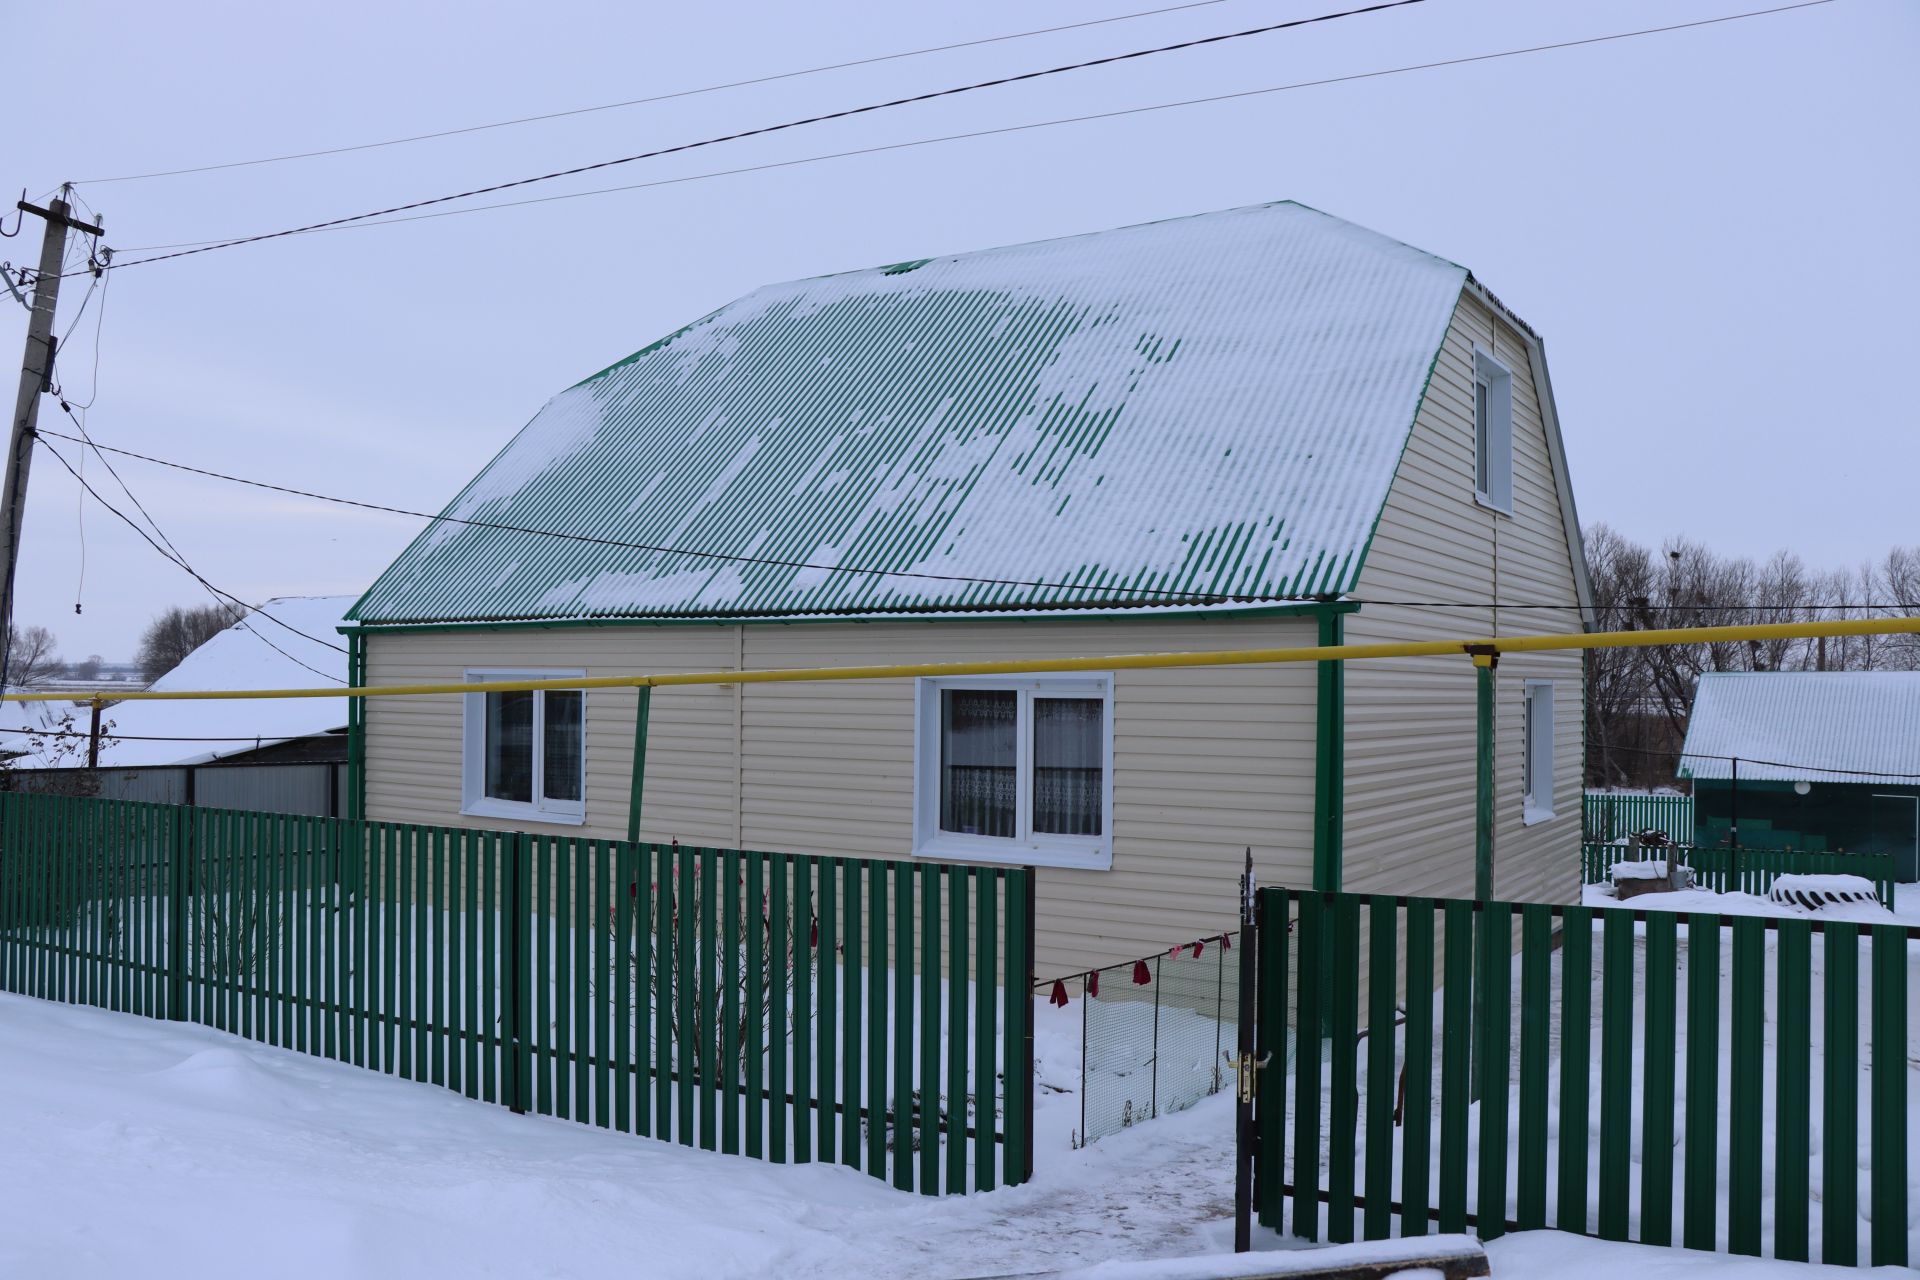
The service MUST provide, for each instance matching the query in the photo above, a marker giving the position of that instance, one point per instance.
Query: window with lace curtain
(525, 751)
(1016, 770)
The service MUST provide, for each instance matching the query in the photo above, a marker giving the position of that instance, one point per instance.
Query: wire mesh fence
(1155, 1033)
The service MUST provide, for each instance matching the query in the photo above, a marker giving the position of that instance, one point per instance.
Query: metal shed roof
(1814, 726)
(1213, 406)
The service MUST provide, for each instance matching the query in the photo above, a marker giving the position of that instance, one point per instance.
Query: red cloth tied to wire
(1093, 985)
(1140, 975)
(1059, 996)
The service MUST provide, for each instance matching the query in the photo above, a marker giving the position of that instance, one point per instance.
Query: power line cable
(658, 97)
(763, 130)
(375, 220)
(239, 619)
(866, 571)
(1772, 764)
(192, 572)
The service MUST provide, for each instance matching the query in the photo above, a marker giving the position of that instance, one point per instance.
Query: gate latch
(1244, 1066)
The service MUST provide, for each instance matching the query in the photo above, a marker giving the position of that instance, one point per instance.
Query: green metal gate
(791, 1008)
(1636, 1075)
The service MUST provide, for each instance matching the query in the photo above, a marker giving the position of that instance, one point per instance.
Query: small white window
(1536, 752)
(1015, 770)
(524, 754)
(1492, 432)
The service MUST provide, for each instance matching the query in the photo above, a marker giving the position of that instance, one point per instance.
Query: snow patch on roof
(1207, 406)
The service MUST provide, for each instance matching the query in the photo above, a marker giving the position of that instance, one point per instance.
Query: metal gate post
(1245, 1136)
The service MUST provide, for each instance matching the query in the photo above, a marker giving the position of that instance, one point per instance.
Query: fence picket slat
(665, 1054)
(1657, 1086)
(756, 1052)
(986, 1053)
(1416, 1139)
(619, 971)
(802, 1010)
(1888, 1087)
(709, 959)
(1536, 1017)
(606, 926)
(1270, 1031)
(1306, 1106)
(779, 953)
(646, 992)
(827, 1116)
(730, 1004)
(1746, 1117)
(878, 1108)
(853, 1029)
(686, 1057)
(900, 1115)
(548, 908)
(1617, 982)
(928, 1134)
(1792, 1116)
(1382, 976)
(1456, 1054)
(958, 1094)
(1701, 1171)
(1493, 1003)
(1576, 1032)
(1342, 1061)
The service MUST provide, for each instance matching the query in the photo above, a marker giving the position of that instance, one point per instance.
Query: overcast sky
(1713, 229)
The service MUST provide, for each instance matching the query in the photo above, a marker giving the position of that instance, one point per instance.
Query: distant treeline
(1638, 699)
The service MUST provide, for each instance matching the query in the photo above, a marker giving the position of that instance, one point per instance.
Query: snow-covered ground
(135, 1147)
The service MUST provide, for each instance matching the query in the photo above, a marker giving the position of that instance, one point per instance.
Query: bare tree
(88, 668)
(31, 659)
(1638, 700)
(176, 633)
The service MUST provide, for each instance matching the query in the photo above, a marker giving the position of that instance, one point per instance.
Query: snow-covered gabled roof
(237, 658)
(1207, 407)
(1813, 726)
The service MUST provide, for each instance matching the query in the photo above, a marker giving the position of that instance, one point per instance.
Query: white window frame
(474, 799)
(1496, 452)
(1025, 846)
(1536, 749)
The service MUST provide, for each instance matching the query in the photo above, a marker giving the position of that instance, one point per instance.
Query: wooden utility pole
(36, 376)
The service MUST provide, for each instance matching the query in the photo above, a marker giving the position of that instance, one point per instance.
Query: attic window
(1492, 433)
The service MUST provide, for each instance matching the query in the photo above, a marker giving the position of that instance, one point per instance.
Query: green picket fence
(1747, 870)
(1608, 815)
(785, 1007)
(1694, 1080)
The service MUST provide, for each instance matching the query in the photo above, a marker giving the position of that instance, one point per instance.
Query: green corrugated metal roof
(1210, 406)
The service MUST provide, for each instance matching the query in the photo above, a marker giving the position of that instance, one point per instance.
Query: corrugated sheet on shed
(1210, 406)
(1816, 726)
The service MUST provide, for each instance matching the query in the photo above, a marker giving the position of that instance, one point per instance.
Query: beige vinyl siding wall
(1206, 761)
(1411, 727)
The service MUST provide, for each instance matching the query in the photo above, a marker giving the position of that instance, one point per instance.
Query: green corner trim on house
(356, 726)
(1330, 752)
(642, 712)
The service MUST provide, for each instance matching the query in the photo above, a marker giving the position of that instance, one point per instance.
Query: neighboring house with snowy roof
(254, 653)
(1816, 760)
(1260, 427)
